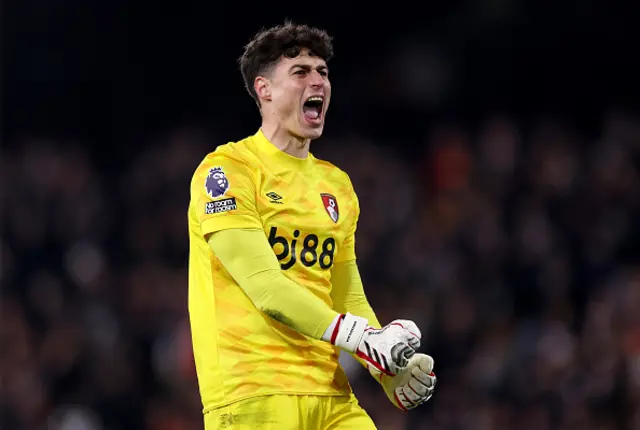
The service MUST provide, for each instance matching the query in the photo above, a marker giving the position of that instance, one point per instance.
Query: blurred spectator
(516, 250)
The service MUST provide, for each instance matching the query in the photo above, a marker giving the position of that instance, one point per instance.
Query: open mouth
(312, 108)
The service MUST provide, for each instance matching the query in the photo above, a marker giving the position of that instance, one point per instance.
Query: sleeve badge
(216, 184)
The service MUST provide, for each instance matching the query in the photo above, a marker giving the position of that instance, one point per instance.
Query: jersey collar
(277, 155)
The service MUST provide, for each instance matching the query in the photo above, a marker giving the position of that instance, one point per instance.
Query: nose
(316, 80)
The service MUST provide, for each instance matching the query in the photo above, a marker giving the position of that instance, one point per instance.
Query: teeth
(315, 99)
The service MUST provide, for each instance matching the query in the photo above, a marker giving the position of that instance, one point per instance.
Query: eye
(300, 72)
(323, 73)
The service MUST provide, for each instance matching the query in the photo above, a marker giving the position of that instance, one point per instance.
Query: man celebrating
(274, 288)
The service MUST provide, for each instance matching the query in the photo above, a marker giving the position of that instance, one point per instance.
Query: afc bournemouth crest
(331, 206)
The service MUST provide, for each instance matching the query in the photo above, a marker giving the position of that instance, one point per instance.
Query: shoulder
(235, 152)
(233, 155)
(232, 158)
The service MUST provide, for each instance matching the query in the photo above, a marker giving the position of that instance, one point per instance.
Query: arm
(414, 384)
(249, 259)
(348, 292)
(236, 237)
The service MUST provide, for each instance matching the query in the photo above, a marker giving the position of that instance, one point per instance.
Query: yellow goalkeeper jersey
(308, 210)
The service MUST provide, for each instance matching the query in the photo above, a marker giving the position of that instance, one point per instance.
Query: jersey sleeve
(347, 251)
(347, 292)
(247, 256)
(347, 295)
(223, 193)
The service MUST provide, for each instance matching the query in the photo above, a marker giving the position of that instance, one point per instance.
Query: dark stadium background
(495, 146)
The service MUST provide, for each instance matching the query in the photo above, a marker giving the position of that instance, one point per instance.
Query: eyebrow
(321, 67)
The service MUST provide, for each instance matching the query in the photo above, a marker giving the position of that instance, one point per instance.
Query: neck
(286, 142)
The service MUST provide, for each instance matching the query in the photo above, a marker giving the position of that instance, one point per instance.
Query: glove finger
(408, 397)
(412, 330)
(411, 327)
(426, 379)
(401, 353)
(423, 362)
(408, 354)
(413, 342)
(417, 388)
(417, 397)
(406, 337)
(404, 400)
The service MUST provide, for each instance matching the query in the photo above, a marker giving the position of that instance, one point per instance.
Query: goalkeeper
(274, 288)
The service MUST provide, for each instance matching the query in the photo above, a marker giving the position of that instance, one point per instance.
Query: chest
(304, 214)
(307, 202)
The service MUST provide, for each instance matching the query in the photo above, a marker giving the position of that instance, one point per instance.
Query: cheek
(288, 100)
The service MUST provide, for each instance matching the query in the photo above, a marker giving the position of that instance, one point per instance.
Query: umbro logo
(274, 197)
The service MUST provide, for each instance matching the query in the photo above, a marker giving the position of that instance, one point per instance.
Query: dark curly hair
(268, 46)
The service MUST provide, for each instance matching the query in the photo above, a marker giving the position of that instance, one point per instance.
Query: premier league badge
(331, 206)
(216, 183)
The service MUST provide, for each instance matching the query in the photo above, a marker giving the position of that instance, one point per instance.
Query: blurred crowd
(513, 245)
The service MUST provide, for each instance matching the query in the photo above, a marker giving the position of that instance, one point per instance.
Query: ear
(263, 88)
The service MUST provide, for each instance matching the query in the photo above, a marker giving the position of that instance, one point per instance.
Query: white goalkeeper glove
(412, 386)
(387, 349)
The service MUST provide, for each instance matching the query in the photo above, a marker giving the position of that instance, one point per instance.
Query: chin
(313, 133)
(310, 131)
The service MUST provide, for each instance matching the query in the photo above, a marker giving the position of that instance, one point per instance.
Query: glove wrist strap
(346, 332)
